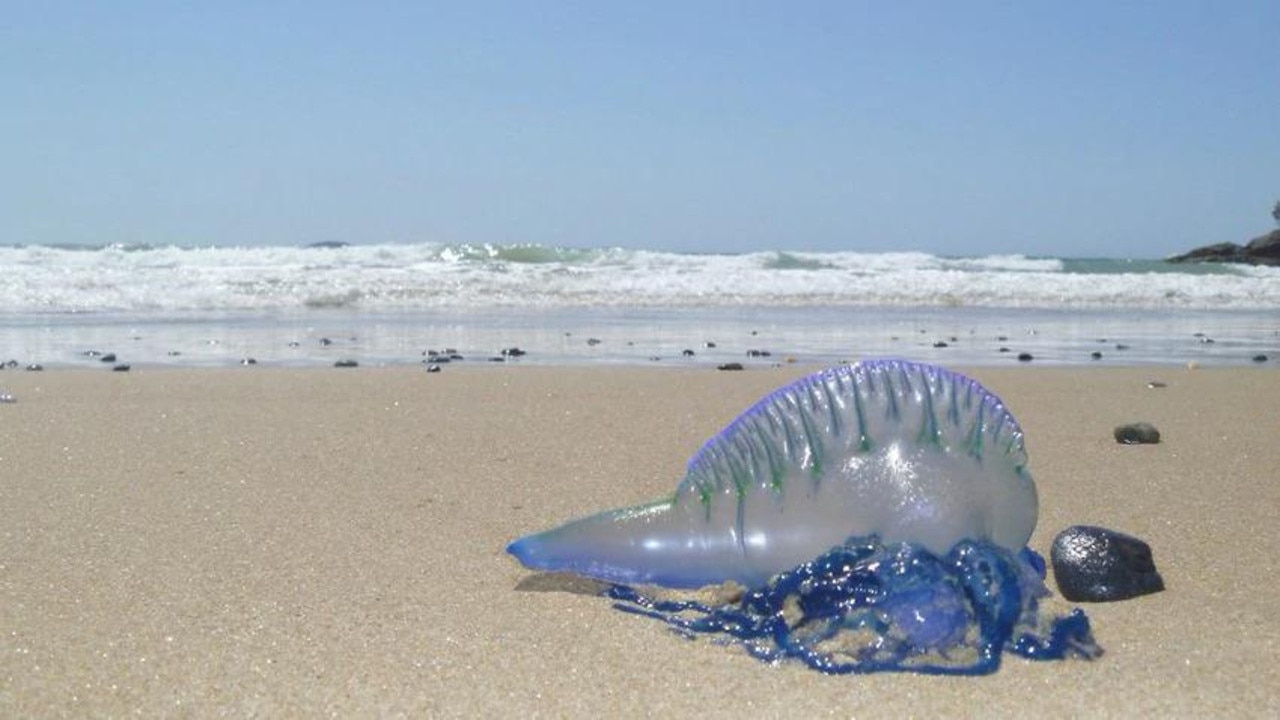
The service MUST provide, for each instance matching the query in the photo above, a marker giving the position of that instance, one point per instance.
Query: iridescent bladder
(900, 451)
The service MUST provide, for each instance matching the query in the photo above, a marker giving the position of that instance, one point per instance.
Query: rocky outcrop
(1262, 250)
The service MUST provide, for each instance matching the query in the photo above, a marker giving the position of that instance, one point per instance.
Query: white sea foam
(468, 277)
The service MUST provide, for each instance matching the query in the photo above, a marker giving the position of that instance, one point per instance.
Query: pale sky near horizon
(1118, 129)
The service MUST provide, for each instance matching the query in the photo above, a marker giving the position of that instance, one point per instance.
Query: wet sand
(255, 541)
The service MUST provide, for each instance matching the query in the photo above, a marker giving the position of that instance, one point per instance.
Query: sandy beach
(325, 542)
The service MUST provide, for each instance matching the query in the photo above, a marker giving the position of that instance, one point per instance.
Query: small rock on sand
(1139, 433)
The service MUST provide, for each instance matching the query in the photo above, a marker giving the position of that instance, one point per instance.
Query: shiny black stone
(1094, 564)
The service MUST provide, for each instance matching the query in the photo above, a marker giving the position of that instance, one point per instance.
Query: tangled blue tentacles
(867, 607)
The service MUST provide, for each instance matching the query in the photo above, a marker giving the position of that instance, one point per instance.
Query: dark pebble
(1004, 350)
(346, 364)
(1259, 358)
(513, 352)
(432, 367)
(249, 361)
(1025, 357)
(122, 367)
(174, 353)
(1095, 355)
(730, 366)
(940, 344)
(35, 367)
(326, 342)
(92, 353)
(1139, 433)
(1094, 564)
(759, 353)
(593, 341)
(687, 352)
(11, 364)
(109, 357)
(708, 344)
(294, 344)
(1121, 346)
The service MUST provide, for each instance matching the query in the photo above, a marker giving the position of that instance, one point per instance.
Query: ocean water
(388, 304)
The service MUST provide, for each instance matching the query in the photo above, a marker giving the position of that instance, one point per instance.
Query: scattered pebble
(441, 356)
(593, 341)
(687, 352)
(346, 364)
(11, 364)
(248, 361)
(433, 368)
(108, 358)
(1259, 358)
(1154, 384)
(122, 367)
(759, 353)
(35, 367)
(730, 366)
(709, 345)
(513, 352)
(1094, 564)
(1095, 355)
(1139, 433)
(1025, 357)
(940, 344)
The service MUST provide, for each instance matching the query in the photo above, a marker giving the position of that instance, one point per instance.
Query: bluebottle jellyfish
(875, 513)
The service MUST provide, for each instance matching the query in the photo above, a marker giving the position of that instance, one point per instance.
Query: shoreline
(294, 542)
(652, 336)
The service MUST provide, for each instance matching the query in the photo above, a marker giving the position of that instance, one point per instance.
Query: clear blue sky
(1111, 128)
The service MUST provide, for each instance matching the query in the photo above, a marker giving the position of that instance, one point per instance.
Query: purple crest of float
(904, 451)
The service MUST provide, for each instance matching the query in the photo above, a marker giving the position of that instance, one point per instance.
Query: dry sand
(330, 542)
